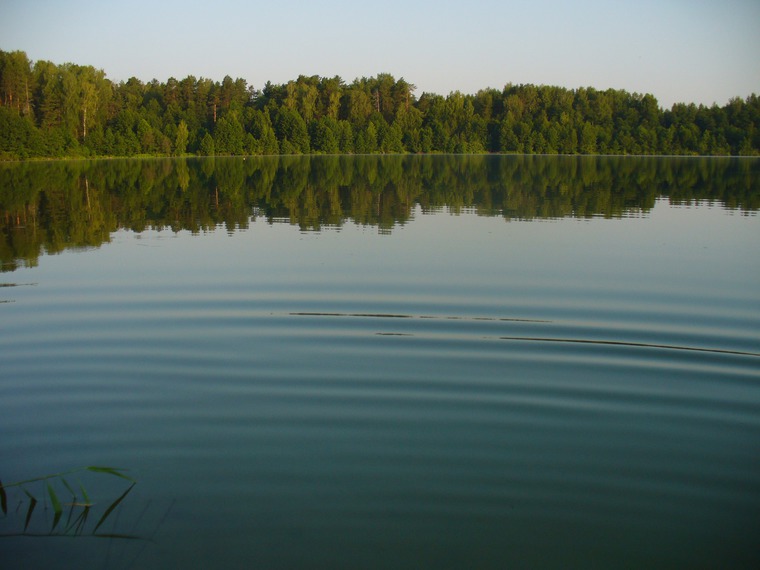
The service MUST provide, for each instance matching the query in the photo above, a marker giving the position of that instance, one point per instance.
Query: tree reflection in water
(52, 206)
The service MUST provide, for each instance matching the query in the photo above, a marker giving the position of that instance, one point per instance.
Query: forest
(50, 110)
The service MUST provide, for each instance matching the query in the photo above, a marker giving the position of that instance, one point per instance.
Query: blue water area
(447, 386)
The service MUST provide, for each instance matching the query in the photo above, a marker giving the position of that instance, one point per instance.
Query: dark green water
(383, 362)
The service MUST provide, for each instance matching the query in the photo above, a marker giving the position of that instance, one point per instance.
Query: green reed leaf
(71, 514)
(122, 536)
(83, 519)
(32, 504)
(110, 509)
(3, 499)
(57, 509)
(95, 468)
(78, 524)
(85, 496)
(65, 484)
(110, 470)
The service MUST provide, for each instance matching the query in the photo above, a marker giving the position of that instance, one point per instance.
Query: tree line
(55, 205)
(69, 110)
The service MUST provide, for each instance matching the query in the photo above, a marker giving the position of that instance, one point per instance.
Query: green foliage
(292, 132)
(207, 146)
(78, 507)
(324, 136)
(51, 206)
(259, 126)
(181, 138)
(49, 110)
(229, 136)
(18, 136)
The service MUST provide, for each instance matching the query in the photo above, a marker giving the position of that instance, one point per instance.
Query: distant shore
(75, 111)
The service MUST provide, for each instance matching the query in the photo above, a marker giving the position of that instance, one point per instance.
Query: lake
(381, 362)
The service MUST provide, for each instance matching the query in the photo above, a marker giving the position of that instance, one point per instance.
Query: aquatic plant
(80, 509)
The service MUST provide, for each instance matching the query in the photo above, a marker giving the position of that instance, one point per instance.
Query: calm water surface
(400, 362)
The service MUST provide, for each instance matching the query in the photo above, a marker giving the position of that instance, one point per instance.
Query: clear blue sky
(701, 51)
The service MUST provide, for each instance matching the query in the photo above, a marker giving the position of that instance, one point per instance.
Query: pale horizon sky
(691, 51)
